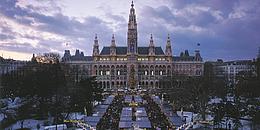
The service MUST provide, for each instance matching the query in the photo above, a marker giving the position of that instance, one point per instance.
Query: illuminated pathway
(137, 111)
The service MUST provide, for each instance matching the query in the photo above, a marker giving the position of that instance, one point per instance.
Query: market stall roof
(109, 100)
(176, 120)
(126, 118)
(138, 99)
(125, 124)
(126, 111)
(143, 124)
(128, 98)
(92, 118)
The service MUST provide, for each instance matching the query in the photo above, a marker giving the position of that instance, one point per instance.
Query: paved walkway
(133, 111)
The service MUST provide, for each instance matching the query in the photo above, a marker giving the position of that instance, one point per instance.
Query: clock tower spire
(132, 32)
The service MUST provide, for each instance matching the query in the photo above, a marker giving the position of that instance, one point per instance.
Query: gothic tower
(132, 49)
(151, 47)
(113, 46)
(95, 48)
(168, 50)
(132, 32)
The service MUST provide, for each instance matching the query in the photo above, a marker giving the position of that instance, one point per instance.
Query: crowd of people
(157, 118)
(111, 118)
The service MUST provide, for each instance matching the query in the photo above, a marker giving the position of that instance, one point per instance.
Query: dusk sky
(226, 29)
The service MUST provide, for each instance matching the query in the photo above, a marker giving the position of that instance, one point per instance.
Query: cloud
(221, 30)
(43, 31)
(222, 27)
(16, 47)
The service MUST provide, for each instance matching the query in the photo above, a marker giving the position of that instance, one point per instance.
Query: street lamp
(75, 112)
(229, 125)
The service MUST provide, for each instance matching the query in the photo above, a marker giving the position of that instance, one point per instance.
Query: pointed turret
(197, 56)
(151, 46)
(151, 41)
(113, 46)
(33, 60)
(96, 47)
(66, 56)
(113, 43)
(168, 50)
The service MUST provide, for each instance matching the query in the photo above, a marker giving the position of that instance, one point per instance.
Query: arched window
(132, 48)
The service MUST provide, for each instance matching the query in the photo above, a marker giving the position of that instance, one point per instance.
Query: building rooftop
(123, 51)
(183, 58)
(81, 58)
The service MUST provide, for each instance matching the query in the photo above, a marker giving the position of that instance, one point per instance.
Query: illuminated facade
(132, 65)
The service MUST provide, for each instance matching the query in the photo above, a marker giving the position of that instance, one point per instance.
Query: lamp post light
(75, 112)
(229, 125)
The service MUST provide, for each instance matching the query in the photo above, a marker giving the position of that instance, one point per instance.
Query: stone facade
(229, 70)
(132, 66)
(8, 65)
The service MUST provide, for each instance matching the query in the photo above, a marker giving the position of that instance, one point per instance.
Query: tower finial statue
(95, 46)
(132, 4)
(151, 40)
(95, 36)
(151, 46)
(168, 40)
(168, 50)
(113, 43)
(113, 46)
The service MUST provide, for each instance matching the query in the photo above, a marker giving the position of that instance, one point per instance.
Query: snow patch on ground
(1, 116)
(76, 116)
(28, 123)
(215, 100)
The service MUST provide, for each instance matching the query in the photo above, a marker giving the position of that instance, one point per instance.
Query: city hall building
(132, 66)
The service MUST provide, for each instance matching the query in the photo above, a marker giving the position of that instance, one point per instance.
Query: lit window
(118, 72)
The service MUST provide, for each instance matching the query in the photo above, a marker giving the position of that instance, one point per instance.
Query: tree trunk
(22, 124)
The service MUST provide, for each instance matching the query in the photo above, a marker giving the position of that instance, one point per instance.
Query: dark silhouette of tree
(23, 113)
(219, 112)
(85, 93)
(36, 81)
(247, 93)
(193, 93)
(257, 64)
